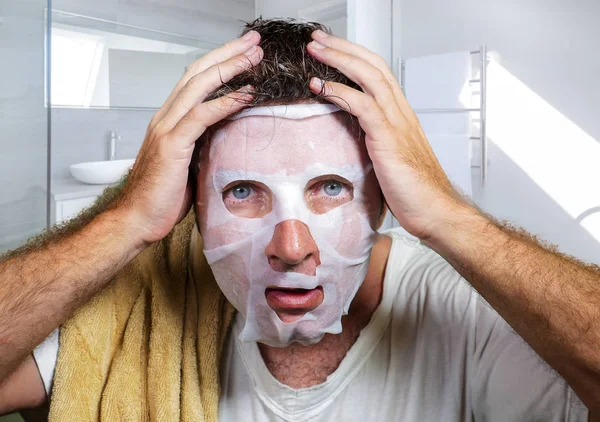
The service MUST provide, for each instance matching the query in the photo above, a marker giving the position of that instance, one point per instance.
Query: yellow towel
(147, 347)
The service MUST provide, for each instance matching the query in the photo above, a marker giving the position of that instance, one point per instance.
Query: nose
(293, 249)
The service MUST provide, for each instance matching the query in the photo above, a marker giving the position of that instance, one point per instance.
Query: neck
(301, 366)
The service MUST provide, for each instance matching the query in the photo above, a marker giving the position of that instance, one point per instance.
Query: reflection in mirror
(101, 64)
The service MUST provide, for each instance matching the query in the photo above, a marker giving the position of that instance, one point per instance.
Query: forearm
(551, 300)
(41, 288)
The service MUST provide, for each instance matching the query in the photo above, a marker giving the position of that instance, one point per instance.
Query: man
(417, 342)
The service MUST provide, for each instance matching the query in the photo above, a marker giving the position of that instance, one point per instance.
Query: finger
(359, 51)
(370, 79)
(356, 50)
(370, 116)
(203, 115)
(226, 51)
(381, 140)
(370, 57)
(202, 84)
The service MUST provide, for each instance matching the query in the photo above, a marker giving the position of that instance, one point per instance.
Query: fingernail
(316, 82)
(248, 35)
(247, 89)
(250, 51)
(320, 34)
(317, 45)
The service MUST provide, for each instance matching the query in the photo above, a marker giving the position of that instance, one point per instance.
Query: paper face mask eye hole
(249, 199)
(327, 192)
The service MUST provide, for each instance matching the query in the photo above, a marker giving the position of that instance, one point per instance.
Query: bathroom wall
(23, 126)
(544, 130)
(82, 135)
(23, 122)
(293, 8)
(283, 9)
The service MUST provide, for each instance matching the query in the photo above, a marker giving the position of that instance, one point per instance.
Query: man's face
(288, 207)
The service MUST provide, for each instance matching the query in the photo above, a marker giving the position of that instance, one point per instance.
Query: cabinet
(70, 197)
(66, 209)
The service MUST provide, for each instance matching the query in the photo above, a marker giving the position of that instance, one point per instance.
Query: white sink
(100, 172)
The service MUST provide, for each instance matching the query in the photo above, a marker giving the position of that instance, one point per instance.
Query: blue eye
(241, 191)
(332, 188)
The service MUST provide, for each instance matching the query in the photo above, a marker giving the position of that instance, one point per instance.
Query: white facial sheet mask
(284, 148)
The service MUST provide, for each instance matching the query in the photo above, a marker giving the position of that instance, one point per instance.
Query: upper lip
(288, 288)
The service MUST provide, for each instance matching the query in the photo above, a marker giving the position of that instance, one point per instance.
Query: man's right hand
(40, 287)
(156, 195)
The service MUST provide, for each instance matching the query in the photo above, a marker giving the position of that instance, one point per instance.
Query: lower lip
(294, 300)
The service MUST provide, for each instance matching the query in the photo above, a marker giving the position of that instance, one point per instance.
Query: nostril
(307, 265)
(277, 264)
(317, 258)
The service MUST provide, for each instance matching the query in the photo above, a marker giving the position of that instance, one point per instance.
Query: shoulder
(425, 280)
(436, 307)
(410, 258)
(510, 381)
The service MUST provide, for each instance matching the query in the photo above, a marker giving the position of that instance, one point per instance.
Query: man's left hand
(415, 187)
(549, 299)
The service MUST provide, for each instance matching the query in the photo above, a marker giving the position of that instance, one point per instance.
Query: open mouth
(292, 304)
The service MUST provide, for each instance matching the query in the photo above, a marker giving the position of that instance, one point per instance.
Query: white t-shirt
(434, 350)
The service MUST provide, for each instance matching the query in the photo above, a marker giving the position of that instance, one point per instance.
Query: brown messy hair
(282, 76)
(286, 69)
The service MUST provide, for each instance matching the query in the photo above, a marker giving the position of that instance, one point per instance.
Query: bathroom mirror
(96, 63)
